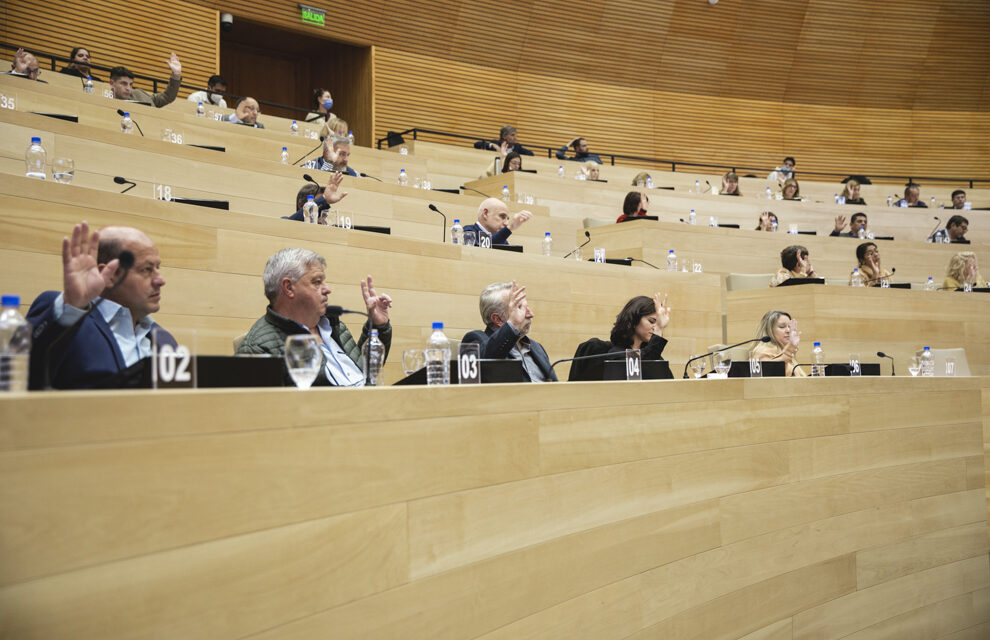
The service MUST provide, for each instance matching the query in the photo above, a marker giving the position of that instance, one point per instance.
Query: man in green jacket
(296, 288)
(122, 84)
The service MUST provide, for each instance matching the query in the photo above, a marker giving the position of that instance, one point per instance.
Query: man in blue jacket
(119, 332)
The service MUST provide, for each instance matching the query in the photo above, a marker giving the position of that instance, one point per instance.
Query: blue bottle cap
(35, 140)
(818, 344)
(437, 325)
(457, 220)
(547, 234)
(127, 114)
(927, 349)
(10, 301)
(308, 198)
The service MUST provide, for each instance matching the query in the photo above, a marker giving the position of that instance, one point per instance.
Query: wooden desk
(701, 509)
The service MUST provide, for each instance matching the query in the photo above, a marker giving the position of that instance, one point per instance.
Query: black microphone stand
(120, 112)
(587, 234)
(733, 346)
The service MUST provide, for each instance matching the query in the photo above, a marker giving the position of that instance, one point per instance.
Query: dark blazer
(82, 360)
(495, 145)
(499, 237)
(594, 368)
(497, 343)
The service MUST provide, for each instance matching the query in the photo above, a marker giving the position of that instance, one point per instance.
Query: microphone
(433, 207)
(705, 355)
(365, 175)
(881, 354)
(643, 261)
(587, 234)
(893, 270)
(475, 190)
(334, 310)
(614, 354)
(307, 153)
(931, 236)
(125, 264)
(120, 112)
(120, 180)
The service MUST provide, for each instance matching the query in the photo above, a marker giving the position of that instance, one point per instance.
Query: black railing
(55, 59)
(673, 164)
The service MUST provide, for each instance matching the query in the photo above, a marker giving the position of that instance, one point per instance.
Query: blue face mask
(328, 104)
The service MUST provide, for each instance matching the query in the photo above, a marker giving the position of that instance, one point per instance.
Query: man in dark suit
(857, 222)
(495, 224)
(118, 333)
(506, 336)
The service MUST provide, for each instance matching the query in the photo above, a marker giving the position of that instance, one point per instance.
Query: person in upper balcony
(122, 84)
(851, 193)
(246, 112)
(79, 66)
(857, 223)
(591, 171)
(730, 184)
(506, 143)
(956, 229)
(323, 102)
(581, 153)
(25, 65)
(791, 190)
(216, 86)
(869, 266)
(958, 199)
(784, 171)
(334, 126)
(912, 197)
(794, 263)
(963, 269)
(336, 154)
(635, 205)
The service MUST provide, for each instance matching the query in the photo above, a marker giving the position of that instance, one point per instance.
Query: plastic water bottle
(713, 222)
(200, 110)
(649, 182)
(671, 261)
(457, 232)
(836, 196)
(35, 159)
(506, 196)
(856, 280)
(350, 137)
(930, 285)
(547, 244)
(773, 225)
(403, 178)
(932, 205)
(890, 200)
(692, 217)
(126, 124)
(927, 363)
(285, 155)
(438, 364)
(818, 355)
(697, 186)
(294, 128)
(15, 345)
(88, 85)
(311, 212)
(769, 193)
(560, 171)
(374, 358)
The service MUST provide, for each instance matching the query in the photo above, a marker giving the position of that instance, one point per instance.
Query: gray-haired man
(296, 288)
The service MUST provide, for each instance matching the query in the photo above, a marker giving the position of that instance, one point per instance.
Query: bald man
(495, 224)
(118, 333)
(25, 65)
(246, 112)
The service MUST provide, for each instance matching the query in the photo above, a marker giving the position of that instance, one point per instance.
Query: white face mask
(215, 98)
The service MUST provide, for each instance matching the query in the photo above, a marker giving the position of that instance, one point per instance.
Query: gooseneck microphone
(124, 266)
(309, 178)
(433, 207)
(705, 355)
(587, 234)
(120, 180)
(463, 188)
(120, 112)
(307, 154)
(881, 354)
(365, 175)
(938, 223)
(643, 261)
(334, 310)
(893, 270)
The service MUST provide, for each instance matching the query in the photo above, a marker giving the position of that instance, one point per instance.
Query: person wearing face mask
(216, 86)
(323, 102)
(634, 206)
(784, 171)
(784, 340)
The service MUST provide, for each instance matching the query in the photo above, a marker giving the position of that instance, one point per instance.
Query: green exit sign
(312, 15)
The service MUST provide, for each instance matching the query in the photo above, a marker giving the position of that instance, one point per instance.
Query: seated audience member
(507, 319)
(634, 206)
(641, 179)
(591, 171)
(329, 196)
(851, 193)
(512, 162)
(963, 269)
(791, 190)
(25, 65)
(958, 199)
(794, 264)
(336, 153)
(730, 184)
(122, 83)
(296, 287)
(118, 333)
(784, 340)
(246, 112)
(956, 229)
(581, 153)
(857, 223)
(334, 126)
(784, 171)
(79, 66)
(639, 325)
(323, 102)
(768, 221)
(506, 143)
(216, 86)
(495, 224)
(869, 266)
(911, 198)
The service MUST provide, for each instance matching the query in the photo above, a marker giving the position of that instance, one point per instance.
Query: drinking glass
(578, 254)
(698, 367)
(792, 229)
(63, 170)
(755, 370)
(600, 255)
(302, 359)
(950, 367)
(413, 360)
(967, 287)
(167, 134)
(854, 367)
(723, 362)
(470, 238)
(914, 367)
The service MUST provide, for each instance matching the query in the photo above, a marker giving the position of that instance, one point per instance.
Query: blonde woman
(334, 126)
(791, 189)
(784, 340)
(963, 269)
(851, 193)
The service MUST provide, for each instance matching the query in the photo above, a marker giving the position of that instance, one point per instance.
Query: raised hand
(517, 307)
(517, 220)
(377, 304)
(330, 192)
(82, 278)
(795, 336)
(21, 60)
(503, 150)
(175, 66)
(840, 223)
(663, 313)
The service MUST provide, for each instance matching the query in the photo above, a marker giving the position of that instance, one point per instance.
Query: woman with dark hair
(634, 206)
(869, 265)
(794, 263)
(323, 102)
(79, 66)
(768, 221)
(730, 184)
(512, 162)
(784, 340)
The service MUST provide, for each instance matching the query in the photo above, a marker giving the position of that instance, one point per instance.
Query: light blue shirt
(340, 369)
(133, 340)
